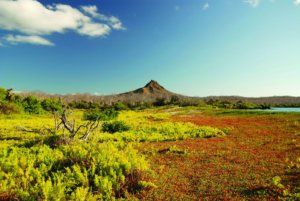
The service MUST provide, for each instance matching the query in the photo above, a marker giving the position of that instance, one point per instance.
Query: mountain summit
(149, 93)
(152, 87)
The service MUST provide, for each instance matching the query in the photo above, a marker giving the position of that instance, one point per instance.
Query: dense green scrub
(164, 132)
(75, 171)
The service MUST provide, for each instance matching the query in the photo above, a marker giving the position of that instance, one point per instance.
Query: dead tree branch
(90, 127)
(71, 126)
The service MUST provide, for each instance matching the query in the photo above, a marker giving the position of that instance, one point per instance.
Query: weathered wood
(71, 127)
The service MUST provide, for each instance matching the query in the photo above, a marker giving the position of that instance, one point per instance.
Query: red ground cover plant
(239, 166)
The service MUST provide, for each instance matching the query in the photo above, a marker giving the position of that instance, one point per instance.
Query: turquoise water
(284, 109)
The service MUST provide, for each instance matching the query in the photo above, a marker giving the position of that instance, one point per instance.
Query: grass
(168, 154)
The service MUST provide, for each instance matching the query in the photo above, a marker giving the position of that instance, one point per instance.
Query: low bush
(3, 93)
(8, 108)
(32, 105)
(115, 126)
(104, 115)
(52, 105)
(120, 106)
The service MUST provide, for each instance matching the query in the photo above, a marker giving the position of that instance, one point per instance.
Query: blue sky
(192, 47)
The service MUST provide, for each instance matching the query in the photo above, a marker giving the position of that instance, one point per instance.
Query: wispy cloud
(114, 22)
(253, 3)
(35, 40)
(205, 6)
(33, 19)
(297, 2)
(177, 8)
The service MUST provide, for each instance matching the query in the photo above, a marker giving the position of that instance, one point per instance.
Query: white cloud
(35, 19)
(297, 2)
(94, 30)
(35, 40)
(92, 10)
(114, 22)
(205, 6)
(253, 3)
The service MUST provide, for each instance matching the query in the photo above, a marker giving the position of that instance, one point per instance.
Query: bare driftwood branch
(90, 127)
(71, 126)
(56, 120)
(68, 125)
(65, 124)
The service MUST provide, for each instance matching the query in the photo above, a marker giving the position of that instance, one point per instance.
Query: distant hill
(150, 92)
(153, 91)
(151, 88)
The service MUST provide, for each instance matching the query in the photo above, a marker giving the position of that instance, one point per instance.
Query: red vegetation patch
(222, 122)
(236, 167)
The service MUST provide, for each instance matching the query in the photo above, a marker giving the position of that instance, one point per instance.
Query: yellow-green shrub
(69, 171)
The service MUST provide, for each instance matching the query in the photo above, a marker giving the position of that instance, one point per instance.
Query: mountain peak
(154, 85)
(151, 88)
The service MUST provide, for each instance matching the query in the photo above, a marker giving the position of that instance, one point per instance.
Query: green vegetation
(236, 105)
(115, 126)
(97, 114)
(12, 104)
(6, 106)
(52, 105)
(32, 105)
(78, 170)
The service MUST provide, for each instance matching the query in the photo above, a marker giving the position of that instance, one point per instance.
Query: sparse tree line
(40, 103)
(274, 101)
(94, 115)
(14, 103)
(237, 104)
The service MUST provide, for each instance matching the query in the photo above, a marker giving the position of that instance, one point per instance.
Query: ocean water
(284, 109)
